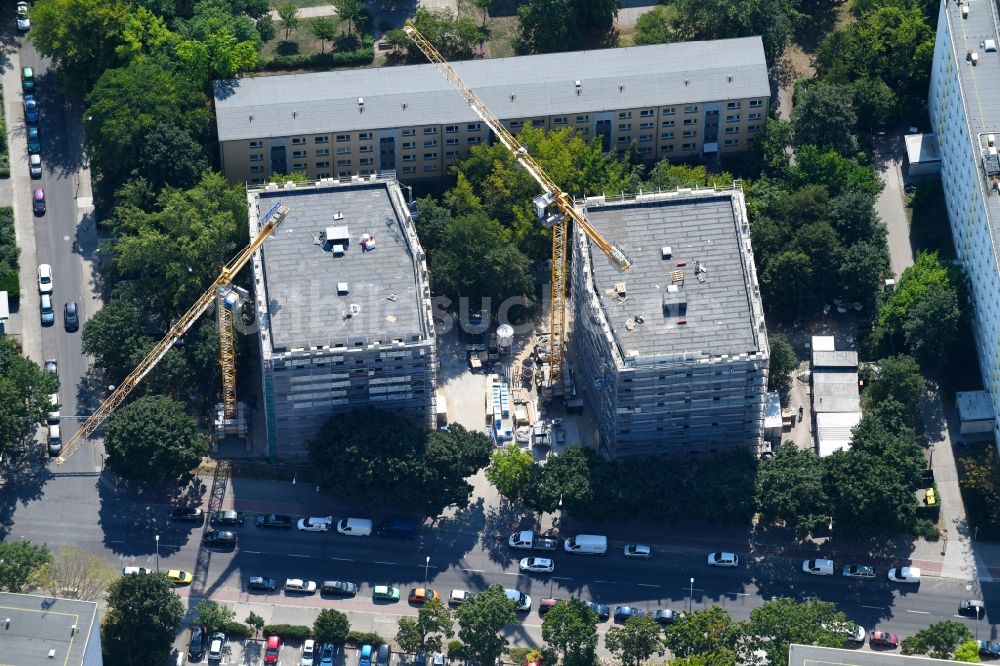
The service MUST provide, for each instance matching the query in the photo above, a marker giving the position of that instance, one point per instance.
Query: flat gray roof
(979, 87)
(717, 318)
(835, 390)
(834, 359)
(807, 655)
(39, 624)
(520, 87)
(302, 277)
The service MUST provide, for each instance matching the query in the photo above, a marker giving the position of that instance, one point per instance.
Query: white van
(818, 567)
(587, 544)
(55, 440)
(355, 527)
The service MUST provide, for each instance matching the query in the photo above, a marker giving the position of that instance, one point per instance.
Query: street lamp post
(690, 594)
(930, 463)
(427, 564)
(157, 537)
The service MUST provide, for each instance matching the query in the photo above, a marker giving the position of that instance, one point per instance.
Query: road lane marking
(392, 564)
(475, 570)
(612, 582)
(511, 573)
(566, 578)
(296, 555)
(919, 612)
(696, 589)
(342, 559)
(875, 607)
(740, 594)
(251, 552)
(647, 585)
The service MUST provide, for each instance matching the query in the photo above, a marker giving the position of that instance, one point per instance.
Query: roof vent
(686, 81)
(666, 252)
(578, 86)
(361, 105)
(512, 96)
(674, 302)
(404, 106)
(621, 88)
(342, 288)
(251, 117)
(730, 78)
(990, 45)
(52, 654)
(295, 114)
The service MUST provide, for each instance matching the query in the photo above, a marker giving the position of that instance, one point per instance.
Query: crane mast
(274, 217)
(553, 197)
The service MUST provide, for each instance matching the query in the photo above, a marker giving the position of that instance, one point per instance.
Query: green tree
(484, 7)
(24, 395)
(776, 624)
(668, 176)
(571, 629)
(863, 269)
(76, 573)
(701, 632)
(480, 622)
(772, 147)
(393, 463)
(635, 642)
(875, 104)
(128, 104)
(824, 116)
(455, 37)
(724, 19)
(968, 652)
(331, 626)
(255, 621)
(21, 562)
(511, 471)
(784, 296)
(916, 282)
(324, 29)
(289, 15)
(352, 11)
(656, 25)
(832, 170)
(899, 378)
(152, 440)
(213, 616)
(931, 327)
(939, 641)
(112, 335)
(784, 362)
(791, 490)
(426, 632)
(220, 54)
(141, 620)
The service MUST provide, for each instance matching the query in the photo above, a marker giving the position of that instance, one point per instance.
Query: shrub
(10, 282)
(927, 529)
(456, 650)
(362, 56)
(357, 638)
(294, 632)
(237, 630)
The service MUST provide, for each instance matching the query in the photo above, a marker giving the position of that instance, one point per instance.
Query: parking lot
(250, 652)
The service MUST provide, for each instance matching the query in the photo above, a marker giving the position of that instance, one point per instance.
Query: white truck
(528, 540)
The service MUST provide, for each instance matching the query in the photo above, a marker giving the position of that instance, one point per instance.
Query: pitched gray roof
(541, 85)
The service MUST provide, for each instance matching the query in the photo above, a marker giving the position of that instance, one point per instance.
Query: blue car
(623, 613)
(365, 658)
(30, 109)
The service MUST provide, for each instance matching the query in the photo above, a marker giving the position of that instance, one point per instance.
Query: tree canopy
(791, 489)
(21, 564)
(393, 463)
(331, 626)
(549, 26)
(571, 629)
(153, 440)
(24, 395)
(636, 641)
(428, 631)
(940, 640)
(480, 621)
(823, 116)
(141, 620)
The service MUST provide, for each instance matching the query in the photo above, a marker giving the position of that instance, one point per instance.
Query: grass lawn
(501, 26)
(302, 41)
(299, 3)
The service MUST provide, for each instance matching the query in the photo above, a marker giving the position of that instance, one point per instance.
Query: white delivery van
(355, 527)
(587, 544)
(818, 567)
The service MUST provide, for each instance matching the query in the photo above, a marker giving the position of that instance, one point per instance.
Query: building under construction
(343, 309)
(671, 354)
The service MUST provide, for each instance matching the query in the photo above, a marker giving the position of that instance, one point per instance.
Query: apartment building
(682, 100)
(343, 309)
(671, 355)
(964, 108)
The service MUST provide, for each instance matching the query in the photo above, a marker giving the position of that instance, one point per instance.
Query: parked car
(38, 201)
(723, 559)
(339, 588)
(459, 597)
(537, 565)
(71, 318)
(30, 109)
(421, 595)
(365, 655)
(219, 539)
(603, 610)
(623, 613)
(45, 307)
(905, 575)
(883, 639)
(262, 583)
(216, 646)
(818, 567)
(45, 283)
(321, 524)
(545, 605)
(973, 607)
(308, 652)
(234, 518)
(664, 616)
(989, 648)
(521, 600)
(188, 514)
(52, 366)
(383, 655)
(300, 586)
(139, 571)
(23, 22)
(859, 571)
(638, 551)
(385, 592)
(178, 577)
(27, 79)
(53, 416)
(326, 654)
(35, 166)
(272, 650)
(34, 141)
(196, 644)
(274, 521)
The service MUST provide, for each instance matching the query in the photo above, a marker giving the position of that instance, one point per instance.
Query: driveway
(891, 204)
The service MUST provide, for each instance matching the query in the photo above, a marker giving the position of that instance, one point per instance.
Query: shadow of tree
(22, 481)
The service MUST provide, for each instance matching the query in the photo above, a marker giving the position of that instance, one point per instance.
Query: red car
(884, 639)
(272, 650)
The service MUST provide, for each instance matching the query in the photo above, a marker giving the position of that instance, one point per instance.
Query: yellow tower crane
(220, 290)
(553, 206)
